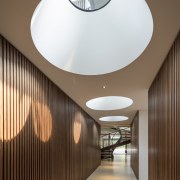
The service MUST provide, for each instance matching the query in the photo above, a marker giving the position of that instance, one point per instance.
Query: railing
(84, 4)
(119, 138)
(110, 139)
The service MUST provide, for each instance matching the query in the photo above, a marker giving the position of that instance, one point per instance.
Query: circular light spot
(113, 118)
(15, 114)
(109, 103)
(77, 126)
(93, 43)
(42, 121)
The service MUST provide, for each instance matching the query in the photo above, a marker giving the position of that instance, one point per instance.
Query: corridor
(119, 169)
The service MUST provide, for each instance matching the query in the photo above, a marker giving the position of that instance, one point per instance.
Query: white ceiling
(132, 81)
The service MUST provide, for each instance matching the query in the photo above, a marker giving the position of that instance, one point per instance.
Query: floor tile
(119, 169)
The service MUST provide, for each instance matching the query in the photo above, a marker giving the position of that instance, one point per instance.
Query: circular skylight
(89, 5)
(91, 43)
(109, 103)
(113, 118)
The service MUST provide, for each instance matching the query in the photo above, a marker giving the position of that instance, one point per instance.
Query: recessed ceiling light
(91, 43)
(104, 87)
(109, 103)
(113, 118)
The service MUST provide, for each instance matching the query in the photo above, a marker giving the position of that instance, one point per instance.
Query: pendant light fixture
(91, 39)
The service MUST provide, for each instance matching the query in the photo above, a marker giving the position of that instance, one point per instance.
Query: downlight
(113, 118)
(103, 39)
(109, 103)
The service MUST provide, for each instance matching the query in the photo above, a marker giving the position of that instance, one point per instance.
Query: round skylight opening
(94, 43)
(109, 103)
(113, 118)
(89, 5)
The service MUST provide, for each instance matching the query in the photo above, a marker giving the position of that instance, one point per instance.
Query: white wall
(143, 145)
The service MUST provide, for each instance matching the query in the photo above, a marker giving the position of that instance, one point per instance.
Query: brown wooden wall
(164, 119)
(44, 135)
(135, 145)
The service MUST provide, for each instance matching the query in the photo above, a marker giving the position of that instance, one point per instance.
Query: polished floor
(119, 169)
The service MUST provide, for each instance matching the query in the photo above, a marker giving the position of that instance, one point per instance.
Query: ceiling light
(113, 118)
(109, 103)
(91, 43)
(104, 87)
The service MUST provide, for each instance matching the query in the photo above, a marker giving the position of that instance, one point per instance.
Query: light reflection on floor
(119, 169)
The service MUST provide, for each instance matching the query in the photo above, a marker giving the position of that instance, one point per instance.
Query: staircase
(124, 139)
(82, 4)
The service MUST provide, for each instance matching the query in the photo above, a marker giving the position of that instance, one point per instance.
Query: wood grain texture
(1, 112)
(39, 124)
(135, 145)
(164, 119)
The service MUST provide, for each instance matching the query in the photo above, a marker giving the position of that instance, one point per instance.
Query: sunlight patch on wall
(16, 110)
(78, 118)
(42, 121)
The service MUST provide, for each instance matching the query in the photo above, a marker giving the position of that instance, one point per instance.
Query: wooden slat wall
(1, 113)
(135, 145)
(37, 122)
(164, 119)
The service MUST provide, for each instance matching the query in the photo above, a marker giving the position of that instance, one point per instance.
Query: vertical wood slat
(1, 111)
(164, 119)
(27, 99)
(178, 114)
(11, 113)
(4, 113)
(135, 145)
(17, 116)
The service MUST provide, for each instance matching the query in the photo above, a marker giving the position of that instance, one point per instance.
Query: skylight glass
(89, 5)
(113, 118)
(91, 43)
(109, 103)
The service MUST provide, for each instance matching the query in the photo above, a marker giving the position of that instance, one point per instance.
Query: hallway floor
(119, 169)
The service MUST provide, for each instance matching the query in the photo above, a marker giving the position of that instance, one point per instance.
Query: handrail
(123, 138)
(120, 143)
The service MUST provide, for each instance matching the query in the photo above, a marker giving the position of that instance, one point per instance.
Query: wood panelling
(1, 112)
(164, 119)
(44, 135)
(135, 145)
